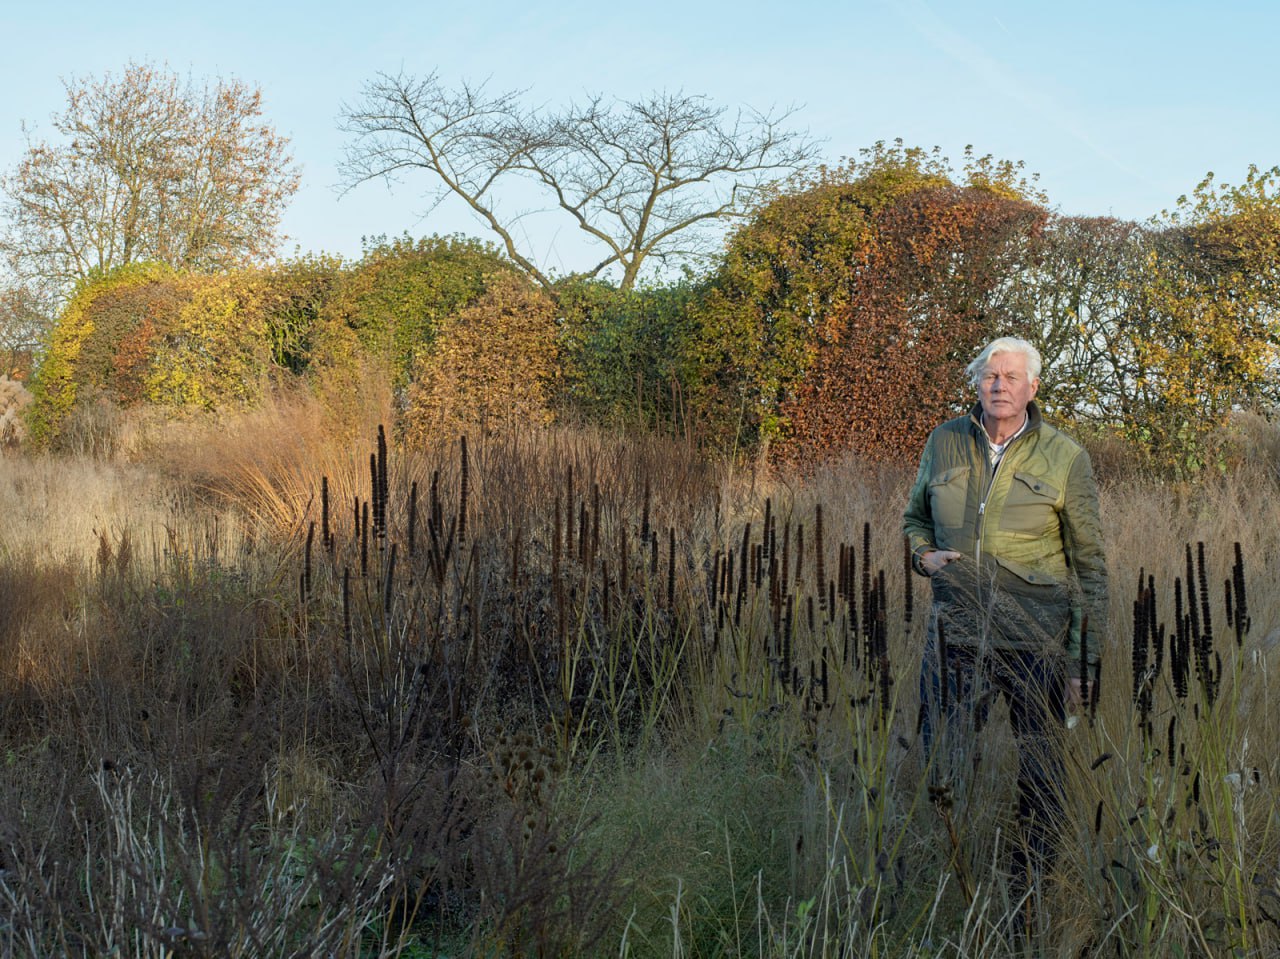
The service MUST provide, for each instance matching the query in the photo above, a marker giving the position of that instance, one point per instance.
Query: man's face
(1005, 388)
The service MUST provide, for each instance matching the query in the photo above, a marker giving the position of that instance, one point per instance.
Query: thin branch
(633, 176)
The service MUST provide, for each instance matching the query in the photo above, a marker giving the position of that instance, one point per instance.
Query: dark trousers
(952, 727)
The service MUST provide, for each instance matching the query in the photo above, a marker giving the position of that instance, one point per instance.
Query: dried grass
(169, 617)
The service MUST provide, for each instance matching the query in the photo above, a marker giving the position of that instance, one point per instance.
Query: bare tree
(147, 166)
(643, 178)
(24, 321)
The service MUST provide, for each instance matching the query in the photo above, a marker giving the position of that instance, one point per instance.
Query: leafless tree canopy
(147, 166)
(23, 323)
(640, 177)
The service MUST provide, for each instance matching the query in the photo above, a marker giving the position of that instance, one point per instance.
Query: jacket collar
(1034, 418)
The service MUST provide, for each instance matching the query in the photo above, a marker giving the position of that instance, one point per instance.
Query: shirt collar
(996, 450)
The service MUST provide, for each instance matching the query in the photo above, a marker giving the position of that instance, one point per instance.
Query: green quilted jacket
(1032, 571)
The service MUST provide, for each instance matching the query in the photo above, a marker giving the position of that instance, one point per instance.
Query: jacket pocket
(1031, 506)
(1031, 608)
(948, 496)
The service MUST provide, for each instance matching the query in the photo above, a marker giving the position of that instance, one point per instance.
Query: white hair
(1005, 344)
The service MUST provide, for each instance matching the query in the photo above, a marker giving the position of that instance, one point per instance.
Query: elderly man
(1003, 518)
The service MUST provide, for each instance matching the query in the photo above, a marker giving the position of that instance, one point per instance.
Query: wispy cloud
(971, 55)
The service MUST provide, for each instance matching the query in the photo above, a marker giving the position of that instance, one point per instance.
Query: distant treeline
(839, 317)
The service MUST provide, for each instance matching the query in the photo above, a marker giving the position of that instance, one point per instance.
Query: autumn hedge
(838, 318)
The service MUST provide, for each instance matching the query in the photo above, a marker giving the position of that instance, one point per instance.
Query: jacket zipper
(982, 508)
(982, 504)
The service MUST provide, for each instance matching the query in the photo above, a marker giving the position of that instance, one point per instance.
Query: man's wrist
(917, 558)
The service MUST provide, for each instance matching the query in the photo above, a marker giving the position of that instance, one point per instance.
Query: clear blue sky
(1120, 107)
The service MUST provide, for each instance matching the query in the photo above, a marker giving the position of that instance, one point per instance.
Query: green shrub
(627, 354)
(389, 307)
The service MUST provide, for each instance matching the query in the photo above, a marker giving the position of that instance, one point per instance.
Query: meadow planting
(283, 688)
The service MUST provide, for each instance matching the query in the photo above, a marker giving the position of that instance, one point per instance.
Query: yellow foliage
(1206, 341)
(218, 351)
